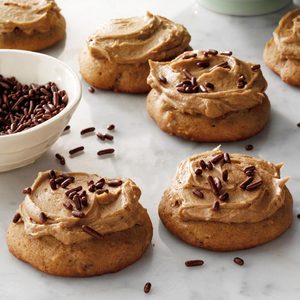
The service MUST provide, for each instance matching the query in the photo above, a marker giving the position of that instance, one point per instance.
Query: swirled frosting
(111, 211)
(287, 35)
(228, 84)
(137, 39)
(28, 15)
(242, 205)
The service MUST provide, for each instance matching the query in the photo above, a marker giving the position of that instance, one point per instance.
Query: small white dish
(23, 148)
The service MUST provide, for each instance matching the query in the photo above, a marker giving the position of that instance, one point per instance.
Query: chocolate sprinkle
(108, 136)
(189, 55)
(246, 182)
(163, 79)
(66, 182)
(194, 263)
(43, 217)
(217, 158)
(298, 125)
(209, 165)
(224, 197)
(76, 189)
(255, 67)
(249, 169)
(249, 147)
(27, 191)
(52, 184)
(91, 90)
(254, 185)
(209, 85)
(67, 127)
(238, 261)
(111, 127)
(216, 206)
(68, 205)
(227, 158)
(101, 136)
(198, 172)
(202, 64)
(76, 150)
(105, 151)
(60, 158)
(52, 174)
(78, 214)
(147, 287)
(77, 202)
(227, 53)
(197, 193)
(213, 185)
(225, 175)
(16, 217)
(203, 164)
(95, 234)
(114, 183)
(212, 52)
(87, 130)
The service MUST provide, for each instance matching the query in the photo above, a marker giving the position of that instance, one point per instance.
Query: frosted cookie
(226, 202)
(77, 224)
(30, 24)
(208, 96)
(116, 56)
(282, 51)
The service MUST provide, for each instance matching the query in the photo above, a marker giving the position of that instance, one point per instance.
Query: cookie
(208, 96)
(30, 25)
(78, 224)
(116, 56)
(225, 202)
(282, 51)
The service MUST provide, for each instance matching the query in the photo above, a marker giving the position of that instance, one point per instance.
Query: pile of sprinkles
(25, 106)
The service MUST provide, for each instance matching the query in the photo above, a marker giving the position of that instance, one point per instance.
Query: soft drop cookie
(77, 224)
(208, 96)
(282, 51)
(226, 202)
(116, 56)
(30, 24)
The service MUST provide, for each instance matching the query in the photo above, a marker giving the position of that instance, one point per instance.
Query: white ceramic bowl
(22, 148)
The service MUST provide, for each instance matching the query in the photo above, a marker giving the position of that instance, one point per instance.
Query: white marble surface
(150, 157)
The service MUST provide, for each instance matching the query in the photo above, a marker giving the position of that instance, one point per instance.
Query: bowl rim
(71, 104)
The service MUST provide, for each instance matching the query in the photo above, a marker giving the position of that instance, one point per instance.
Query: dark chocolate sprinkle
(238, 261)
(194, 263)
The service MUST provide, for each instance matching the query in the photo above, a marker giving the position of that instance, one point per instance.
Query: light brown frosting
(287, 35)
(242, 206)
(28, 15)
(109, 212)
(226, 97)
(137, 39)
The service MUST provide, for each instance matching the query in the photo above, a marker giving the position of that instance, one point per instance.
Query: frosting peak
(111, 207)
(137, 39)
(28, 15)
(250, 191)
(287, 35)
(208, 83)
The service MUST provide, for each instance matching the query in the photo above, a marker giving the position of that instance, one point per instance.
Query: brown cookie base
(105, 75)
(36, 41)
(287, 69)
(218, 236)
(232, 127)
(93, 257)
